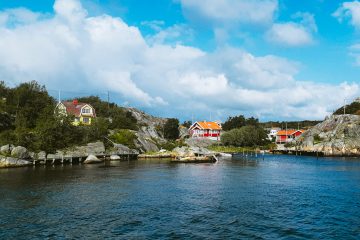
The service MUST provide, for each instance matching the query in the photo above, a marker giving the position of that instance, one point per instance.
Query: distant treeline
(305, 124)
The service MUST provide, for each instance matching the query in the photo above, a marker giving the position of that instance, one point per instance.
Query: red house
(284, 136)
(209, 130)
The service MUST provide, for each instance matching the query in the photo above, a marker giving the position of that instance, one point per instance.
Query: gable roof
(288, 132)
(75, 109)
(207, 125)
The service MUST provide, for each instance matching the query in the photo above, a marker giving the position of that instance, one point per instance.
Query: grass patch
(232, 149)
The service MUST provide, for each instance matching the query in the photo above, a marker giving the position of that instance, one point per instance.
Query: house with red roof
(83, 113)
(209, 130)
(285, 136)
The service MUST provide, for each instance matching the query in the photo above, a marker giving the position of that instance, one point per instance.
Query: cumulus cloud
(349, 10)
(230, 11)
(294, 33)
(71, 50)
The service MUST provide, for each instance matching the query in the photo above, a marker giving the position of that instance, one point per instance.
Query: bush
(170, 145)
(317, 139)
(247, 136)
(125, 137)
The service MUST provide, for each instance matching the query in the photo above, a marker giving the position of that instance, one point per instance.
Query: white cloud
(176, 34)
(349, 10)
(230, 11)
(17, 16)
(354, 51)
(294, 33)
(71, 51)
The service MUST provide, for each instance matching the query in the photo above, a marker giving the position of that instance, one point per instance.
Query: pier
(65, 159)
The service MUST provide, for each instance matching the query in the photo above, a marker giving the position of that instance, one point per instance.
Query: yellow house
(83, 113)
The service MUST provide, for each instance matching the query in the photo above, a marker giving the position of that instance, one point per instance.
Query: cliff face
(150, 130)
(337, 135)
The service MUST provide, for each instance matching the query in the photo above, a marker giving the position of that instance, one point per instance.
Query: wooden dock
(299, 153)
(58, 160)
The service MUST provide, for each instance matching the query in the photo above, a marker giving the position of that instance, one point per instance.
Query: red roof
(209, 125)
(74, 108)
(288, 132)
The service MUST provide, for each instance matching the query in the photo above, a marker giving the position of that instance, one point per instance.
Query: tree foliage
(238, 122)
(171, 129)
(246, 136)
(187, 124)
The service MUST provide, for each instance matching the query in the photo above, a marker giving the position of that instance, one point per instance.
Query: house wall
(80, 120)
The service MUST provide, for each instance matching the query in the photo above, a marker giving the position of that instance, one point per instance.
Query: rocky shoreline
(18, 156)
(337, 135)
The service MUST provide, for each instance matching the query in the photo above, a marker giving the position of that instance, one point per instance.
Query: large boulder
(115, 158)
(8, 162)
(6, 149)
(95, 148)
(91, 159)
(191, 151)
(20, 152)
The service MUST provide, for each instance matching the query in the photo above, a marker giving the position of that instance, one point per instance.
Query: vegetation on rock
(125, 137)
(353, 108)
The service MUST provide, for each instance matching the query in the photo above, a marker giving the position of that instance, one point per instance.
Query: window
(86, 120)
(86, 110)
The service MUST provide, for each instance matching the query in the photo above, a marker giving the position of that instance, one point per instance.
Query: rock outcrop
(95, 148)
(9, 162)
(199, 142)
(191, 151)
(6, 149)
(20, 152)
(337, 135)
(150, 132)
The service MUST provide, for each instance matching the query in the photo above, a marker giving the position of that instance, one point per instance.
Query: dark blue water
(282, 197)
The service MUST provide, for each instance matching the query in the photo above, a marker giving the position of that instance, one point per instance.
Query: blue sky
(185, 58)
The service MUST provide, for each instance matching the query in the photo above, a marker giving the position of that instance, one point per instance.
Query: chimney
(75, 102)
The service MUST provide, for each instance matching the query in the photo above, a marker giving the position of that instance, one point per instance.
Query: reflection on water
(276, 197)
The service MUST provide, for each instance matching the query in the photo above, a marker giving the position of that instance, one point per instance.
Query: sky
(189, 59)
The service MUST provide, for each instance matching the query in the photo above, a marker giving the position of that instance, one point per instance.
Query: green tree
(98, 129)
(171, 129)
(29, 100)
(55, 131)
(122, 119)
(187, 124)
(252, 121)
(234, 122)
(247, 136)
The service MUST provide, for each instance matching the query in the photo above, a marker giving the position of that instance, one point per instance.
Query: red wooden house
(284, 136)
(209, 130)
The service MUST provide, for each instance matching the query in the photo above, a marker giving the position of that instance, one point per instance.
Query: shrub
(125, 137)
(317, 139)
(247, 136)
